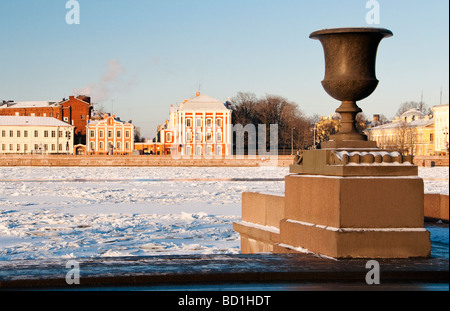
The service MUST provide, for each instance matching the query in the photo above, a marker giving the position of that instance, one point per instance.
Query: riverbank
(142, 161)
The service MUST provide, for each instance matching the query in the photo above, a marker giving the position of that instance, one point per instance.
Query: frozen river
(93, 212)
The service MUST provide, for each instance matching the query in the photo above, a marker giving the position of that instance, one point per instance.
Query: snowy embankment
(93, 212)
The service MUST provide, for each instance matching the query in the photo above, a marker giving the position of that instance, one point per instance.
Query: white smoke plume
(113, 80)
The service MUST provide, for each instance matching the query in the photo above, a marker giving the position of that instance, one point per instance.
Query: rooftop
(31, 121)
(416, 123)
(203, 103)
(31, 104)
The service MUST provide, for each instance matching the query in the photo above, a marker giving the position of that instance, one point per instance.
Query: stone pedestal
(345, 201)
(354, 217)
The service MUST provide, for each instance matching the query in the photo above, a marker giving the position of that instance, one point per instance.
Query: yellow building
(441, 125)
(412, 134)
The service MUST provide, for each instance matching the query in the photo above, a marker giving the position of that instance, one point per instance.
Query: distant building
(197, 127)
(110, 136)
(441, 126)
(35, 135)
(75, 111)
(412, 134)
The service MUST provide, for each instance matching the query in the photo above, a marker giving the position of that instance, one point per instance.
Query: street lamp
(314, 130)
(292, 141)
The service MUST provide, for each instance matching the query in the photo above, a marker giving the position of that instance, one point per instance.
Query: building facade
(441, 126)
(200, 126)
(411, 134)
(109, 136)
(75, 111)
(35, 135)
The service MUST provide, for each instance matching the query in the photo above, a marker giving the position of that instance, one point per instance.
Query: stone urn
(350, 57)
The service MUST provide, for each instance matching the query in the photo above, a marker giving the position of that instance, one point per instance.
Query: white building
(35, 135)
(441, 126)
(199, 126)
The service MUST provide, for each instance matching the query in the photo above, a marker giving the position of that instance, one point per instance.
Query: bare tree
(421, 106)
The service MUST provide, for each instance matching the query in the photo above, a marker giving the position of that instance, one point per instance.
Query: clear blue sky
(157, 52)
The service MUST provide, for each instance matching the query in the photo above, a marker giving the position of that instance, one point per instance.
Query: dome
(412, 114)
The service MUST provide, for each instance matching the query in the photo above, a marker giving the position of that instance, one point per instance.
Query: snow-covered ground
(93, 212)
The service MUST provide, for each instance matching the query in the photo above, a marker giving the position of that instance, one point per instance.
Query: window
(83, 117)
(92, 134)
(188, 150)
(127, 145)
(11, 147)
(3, 133)
(198, 136)
(101, 134)
(18, 133)
(36, 147)
(66, 119)
(199, 122)
(209, 136)
(11, 133)
(25, 133)
(189, 122)
(45, 147)
(127, 134)
(101, 145)
(53, 147)
(36, 133)
(60, 147)
(45, 135)
(119, 133)
(219, 150)
(53, 134)
(198, 151)
(110, 134)
(169, 137)
(219, 137)
(25, 147)
(119, 146)
(209, 122)
(3, 147)
(219, 122)
(92, 145)
(18, 147)
(209, 150)
(189, 136)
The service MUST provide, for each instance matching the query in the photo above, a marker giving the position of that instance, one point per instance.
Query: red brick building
(75, 111)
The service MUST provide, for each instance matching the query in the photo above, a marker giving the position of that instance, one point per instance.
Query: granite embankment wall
(61, 161)
(430, 161)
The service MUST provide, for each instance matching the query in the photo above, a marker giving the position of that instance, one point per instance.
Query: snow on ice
(103, 212)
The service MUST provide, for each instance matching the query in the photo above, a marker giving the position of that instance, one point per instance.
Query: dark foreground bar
(222, 272)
